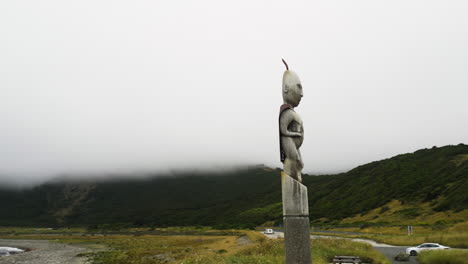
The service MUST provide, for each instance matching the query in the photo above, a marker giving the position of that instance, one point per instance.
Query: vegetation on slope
(407, 214)
(187, 199)
(437, 175)
(425, 182)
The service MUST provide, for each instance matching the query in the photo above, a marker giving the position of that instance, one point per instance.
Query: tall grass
(451, 256)
(272, 252)
(250, 248)
(323, 251)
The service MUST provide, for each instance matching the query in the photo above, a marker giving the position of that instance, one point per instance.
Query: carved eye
(299, 85)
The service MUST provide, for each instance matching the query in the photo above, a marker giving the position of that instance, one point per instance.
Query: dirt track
(43, 252)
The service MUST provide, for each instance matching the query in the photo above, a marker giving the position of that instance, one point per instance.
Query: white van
(269, 231)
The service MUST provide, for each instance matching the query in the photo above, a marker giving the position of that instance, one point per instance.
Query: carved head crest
(292, 87)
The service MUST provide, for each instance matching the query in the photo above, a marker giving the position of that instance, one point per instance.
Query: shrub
(366, 225)
(402, 256)
(409, 212)
(384, 209)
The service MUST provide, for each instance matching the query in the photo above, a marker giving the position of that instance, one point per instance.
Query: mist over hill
(242, 198)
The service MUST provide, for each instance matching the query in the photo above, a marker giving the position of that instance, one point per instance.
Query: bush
(402, 256)
(364, 226)
(384, 209)
(409, 212)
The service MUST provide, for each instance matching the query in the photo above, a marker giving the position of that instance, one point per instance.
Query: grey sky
(92, 86)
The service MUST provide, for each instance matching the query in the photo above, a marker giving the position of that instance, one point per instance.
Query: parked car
(413, 251)
(7, 251)
(269, 231)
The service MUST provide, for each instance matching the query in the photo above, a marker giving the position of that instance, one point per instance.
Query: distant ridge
(424, 182)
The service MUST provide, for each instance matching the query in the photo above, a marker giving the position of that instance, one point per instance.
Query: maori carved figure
(290, 125)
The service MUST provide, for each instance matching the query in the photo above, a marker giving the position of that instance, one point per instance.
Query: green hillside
(246, 198)
(413, 178)
(184, 199)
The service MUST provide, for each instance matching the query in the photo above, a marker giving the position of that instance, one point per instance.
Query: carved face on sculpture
(292, 88)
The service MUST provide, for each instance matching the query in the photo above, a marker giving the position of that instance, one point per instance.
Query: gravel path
(43, 252)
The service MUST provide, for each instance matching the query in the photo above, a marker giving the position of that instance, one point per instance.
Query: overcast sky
(96, 86)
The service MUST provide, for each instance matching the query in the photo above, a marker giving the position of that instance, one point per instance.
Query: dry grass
(272, 252)
(325, 249)
(451, 240)
(123, 249)
(153, 249)
(454, 236)
(444, 257)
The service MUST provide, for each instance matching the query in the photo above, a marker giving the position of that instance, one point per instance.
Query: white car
(413, 251)
(7, 251)
(269, 231)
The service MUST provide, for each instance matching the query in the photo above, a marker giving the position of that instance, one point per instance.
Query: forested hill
(246, 198)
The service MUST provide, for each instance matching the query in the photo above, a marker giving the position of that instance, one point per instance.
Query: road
(388, 250)
(43, 252)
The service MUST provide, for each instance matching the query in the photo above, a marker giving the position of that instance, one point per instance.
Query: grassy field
(452, 236)
(444, 257)
(272, 252)
(246, 247)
